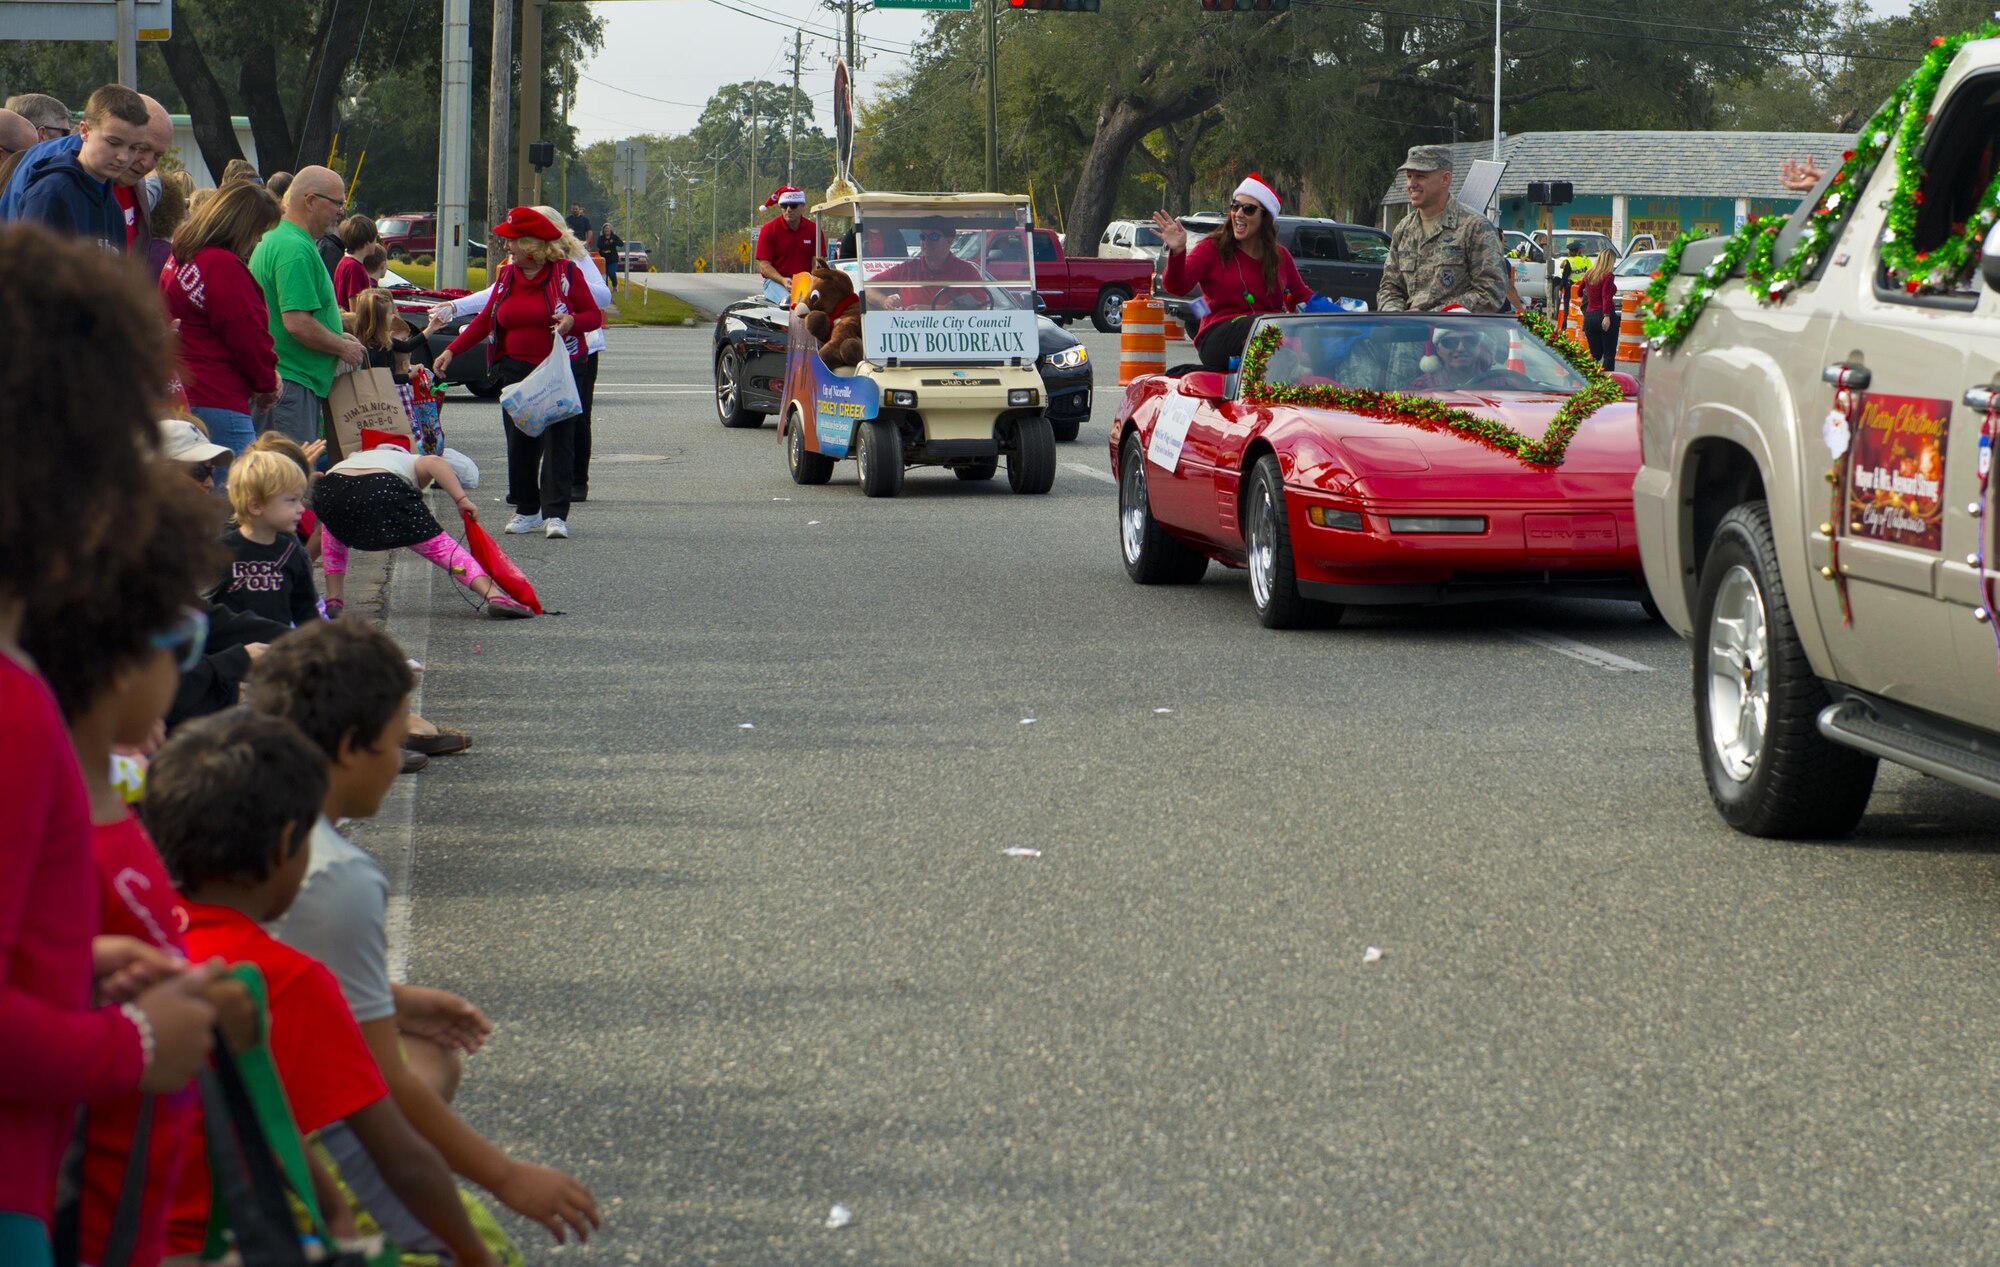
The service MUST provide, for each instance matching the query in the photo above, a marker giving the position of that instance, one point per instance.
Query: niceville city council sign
(950, 336)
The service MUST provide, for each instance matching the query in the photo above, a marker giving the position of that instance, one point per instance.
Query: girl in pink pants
(372, 501)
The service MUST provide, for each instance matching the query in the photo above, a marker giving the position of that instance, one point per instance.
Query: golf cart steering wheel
(953, 297)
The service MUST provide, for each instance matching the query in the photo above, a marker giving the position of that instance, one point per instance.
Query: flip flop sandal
(445, 742)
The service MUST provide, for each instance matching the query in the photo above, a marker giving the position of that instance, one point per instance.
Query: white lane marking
(1597, 657)
(393, 830)
(1091, 471)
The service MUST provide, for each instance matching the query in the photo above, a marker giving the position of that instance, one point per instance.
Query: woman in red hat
(1240, 270)
(539, 296)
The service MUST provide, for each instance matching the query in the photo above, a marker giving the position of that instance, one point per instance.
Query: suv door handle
(1983, 398)
(1857, 376)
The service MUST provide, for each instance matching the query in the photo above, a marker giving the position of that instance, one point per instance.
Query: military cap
(1427, 158)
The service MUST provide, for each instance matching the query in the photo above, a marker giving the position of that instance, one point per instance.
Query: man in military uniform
(1444, 252)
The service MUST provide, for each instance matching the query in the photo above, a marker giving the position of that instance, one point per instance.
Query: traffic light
(1246, 6)
(1065, 6)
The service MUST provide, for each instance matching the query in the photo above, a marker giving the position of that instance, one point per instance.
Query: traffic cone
(1517, 357)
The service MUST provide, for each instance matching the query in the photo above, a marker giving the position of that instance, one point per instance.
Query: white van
(1131, 240)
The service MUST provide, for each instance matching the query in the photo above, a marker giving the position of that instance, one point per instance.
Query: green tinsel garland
(1422, 411)
(1905, 114)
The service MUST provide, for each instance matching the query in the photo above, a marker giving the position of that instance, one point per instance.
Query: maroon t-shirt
(226, 349)
(349, 280)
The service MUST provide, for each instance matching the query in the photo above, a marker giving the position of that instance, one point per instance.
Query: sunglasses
(201, 472)
(1245, 208)
(1457, 342)
(932, 237)
(186, 637)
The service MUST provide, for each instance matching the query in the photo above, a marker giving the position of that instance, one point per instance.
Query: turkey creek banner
(978, 336)
(1895, 481)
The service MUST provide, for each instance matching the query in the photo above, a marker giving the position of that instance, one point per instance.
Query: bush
(424, 260)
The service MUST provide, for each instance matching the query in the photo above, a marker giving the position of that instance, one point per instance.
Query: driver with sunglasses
(935, 264)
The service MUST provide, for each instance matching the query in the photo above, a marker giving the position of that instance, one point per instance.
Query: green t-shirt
(293, 278)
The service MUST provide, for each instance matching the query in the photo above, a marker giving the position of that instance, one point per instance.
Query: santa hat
(786, 196)
(1254, 188)
(1429, 361)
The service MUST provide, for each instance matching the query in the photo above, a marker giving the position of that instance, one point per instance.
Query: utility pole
(993, 97)
(792, 106)
(852, 65)
(531, 91)
(714, 195)
(127, 31)
(668, 236)
(454, 143)
(499, 148)
(755, 201)
(1496, 80)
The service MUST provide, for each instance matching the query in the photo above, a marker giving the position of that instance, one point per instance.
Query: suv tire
(1757, 702)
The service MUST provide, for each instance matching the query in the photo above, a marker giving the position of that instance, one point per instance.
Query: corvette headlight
(1068, 358)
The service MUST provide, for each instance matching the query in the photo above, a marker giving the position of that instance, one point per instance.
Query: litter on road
(1372, 955)
(1022, 851)
(839, 1216)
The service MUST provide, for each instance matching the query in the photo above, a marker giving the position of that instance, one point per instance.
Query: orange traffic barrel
(1631, 329)
(1178, 346)
(1142, 340)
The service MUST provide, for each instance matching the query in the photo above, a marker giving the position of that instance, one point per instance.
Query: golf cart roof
(859, 203)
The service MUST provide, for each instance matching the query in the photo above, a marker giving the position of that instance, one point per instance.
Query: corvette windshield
(1418, 352)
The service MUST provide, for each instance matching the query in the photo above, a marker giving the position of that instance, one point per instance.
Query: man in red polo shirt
(785, 244)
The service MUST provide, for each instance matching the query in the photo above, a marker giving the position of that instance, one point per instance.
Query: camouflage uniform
(1454, 259)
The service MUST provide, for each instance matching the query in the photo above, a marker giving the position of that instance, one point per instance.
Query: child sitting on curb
(269, 572)
(346, 685)
(230, 800)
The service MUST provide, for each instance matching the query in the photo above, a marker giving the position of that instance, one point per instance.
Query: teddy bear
(832, 314)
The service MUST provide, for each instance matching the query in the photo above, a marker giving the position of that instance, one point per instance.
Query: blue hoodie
(51, 186)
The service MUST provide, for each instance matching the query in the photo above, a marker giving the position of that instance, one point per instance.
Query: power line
(691, 105)
(1572, 30)
(887, 46)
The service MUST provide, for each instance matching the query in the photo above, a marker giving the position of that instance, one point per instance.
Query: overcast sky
(681, 51)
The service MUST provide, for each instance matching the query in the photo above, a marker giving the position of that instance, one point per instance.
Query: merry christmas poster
(1895, 483)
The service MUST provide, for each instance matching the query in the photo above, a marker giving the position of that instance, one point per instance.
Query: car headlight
(1068, 358)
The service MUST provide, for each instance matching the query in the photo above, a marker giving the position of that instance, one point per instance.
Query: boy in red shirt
(231, 800)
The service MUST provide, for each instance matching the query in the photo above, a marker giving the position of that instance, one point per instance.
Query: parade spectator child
(78, 447)
(68, 185)
(231, 800)
(346, 685)
(112, 659)
(303, 457)
(373, 501)
(350, 274)
(377, 325)
(269, 573)
(375, 262)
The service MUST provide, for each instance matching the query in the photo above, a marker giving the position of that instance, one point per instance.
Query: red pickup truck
(1071, 286)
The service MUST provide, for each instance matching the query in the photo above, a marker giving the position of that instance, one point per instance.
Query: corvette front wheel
(1267, 536)
(1151, 556)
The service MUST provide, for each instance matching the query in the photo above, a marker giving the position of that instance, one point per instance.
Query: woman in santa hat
(1240, 270)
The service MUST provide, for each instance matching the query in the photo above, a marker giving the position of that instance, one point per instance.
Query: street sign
(743, 251)
(701, 263)
(81, 19)
(628, 167)
(960, 6)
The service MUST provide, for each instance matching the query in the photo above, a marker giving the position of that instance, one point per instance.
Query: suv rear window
(1368, 248)
(1315, 242)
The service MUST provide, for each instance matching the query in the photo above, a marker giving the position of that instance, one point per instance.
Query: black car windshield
(1417, 352)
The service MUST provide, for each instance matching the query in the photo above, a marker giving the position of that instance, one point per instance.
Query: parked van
(1131, 239)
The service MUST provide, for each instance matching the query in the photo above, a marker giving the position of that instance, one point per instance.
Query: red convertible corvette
(1385, 458)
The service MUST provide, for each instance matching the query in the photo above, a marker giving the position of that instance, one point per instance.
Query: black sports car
(749, 361)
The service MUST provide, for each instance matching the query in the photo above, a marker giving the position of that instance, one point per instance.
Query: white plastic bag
(546, 396)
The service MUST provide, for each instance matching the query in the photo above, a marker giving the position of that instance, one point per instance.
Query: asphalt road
(728, 867)
(710, 293)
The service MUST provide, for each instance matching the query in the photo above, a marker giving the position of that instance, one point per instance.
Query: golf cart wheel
(1031, 459)
(806, 467)
(729, 391)
(980, 469)
(878, 451)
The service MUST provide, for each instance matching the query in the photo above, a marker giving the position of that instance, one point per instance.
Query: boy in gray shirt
(346, 684)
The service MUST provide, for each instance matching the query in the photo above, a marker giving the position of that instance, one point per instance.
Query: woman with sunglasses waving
(1240, 270)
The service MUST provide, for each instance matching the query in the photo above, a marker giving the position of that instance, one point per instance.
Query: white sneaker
(524, 523)
(555, 528)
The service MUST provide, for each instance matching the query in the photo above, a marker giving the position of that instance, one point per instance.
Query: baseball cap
(182, 441)
(1427, 158)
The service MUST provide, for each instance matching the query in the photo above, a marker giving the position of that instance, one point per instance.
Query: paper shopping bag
(365, 398)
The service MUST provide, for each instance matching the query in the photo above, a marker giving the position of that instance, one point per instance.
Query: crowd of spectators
(187, 728)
